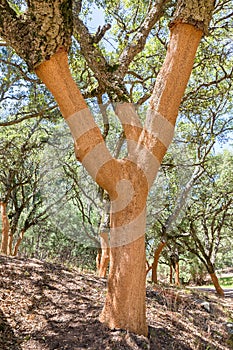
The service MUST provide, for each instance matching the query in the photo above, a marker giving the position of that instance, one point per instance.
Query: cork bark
(198, 13)
(157, 253)
(214, 278)
(104, 258)
(216, 284)
(40, 32)
(5, 228)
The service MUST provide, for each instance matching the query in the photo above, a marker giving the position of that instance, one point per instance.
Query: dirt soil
(44, 306)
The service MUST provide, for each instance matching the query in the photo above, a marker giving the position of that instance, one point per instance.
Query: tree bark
(5, 228)
(171, 274)
(214, 278)
(198, 13)
(157, 253)
(98, 258)
(125, 302)
(177, 273)
(38, 33)
(216, 284)
(105, 255)
(104, 230)
(17, 244)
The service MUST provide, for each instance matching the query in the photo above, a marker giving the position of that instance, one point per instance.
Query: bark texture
(125, 301)
(105, 254)
(195, 12)
(5, 228)
(17, 244)
(157, 253)
(216, 284)
(40, 32)
(104, 231)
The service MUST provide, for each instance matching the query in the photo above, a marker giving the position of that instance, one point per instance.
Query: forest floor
(45, 306)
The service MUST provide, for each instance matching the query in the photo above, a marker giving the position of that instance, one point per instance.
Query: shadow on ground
(49, 307)
(8, 341)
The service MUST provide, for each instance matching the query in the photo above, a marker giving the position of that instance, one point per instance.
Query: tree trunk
(215, 281)
(125, 302)
(211, 270)
(5, 229)
(104, 230)
(127, 186)
(216, 284)
(10, 243)
(157, 253)
(105, 255)
(174, 258)
(171, 274)
(177, 273)
(19, 240)
(98, 258)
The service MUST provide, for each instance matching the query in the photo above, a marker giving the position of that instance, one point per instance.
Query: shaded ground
(46, 307)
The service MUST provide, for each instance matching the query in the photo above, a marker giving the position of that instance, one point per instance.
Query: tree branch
(104, 73)
(100, 33)
(21, 71)
(30, 116)
(139, 40)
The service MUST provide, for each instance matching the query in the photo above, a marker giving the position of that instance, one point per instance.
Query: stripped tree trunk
(7, 236)
(146, 150)
(104, 255)
(125, 301)
(214, 278)
(10, 243)
(104, 230)
(157, 253)
(17, 244)
(5, 228)
(98, 258)
(216, 284)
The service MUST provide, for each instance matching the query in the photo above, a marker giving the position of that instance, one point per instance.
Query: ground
(46, 306)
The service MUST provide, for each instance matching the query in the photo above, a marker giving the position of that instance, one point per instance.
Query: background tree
(19, 190)
(207, 219)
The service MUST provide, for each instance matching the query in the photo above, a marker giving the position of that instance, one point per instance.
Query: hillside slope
(45, 306)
